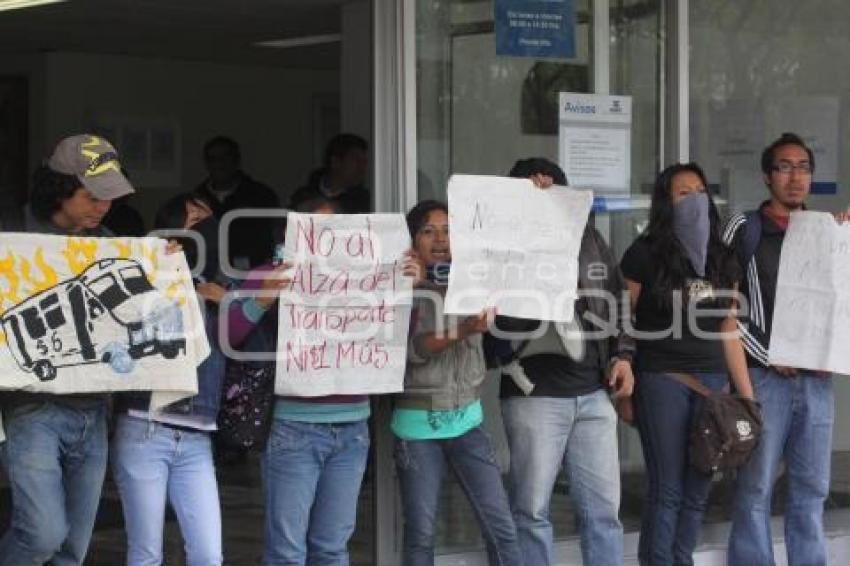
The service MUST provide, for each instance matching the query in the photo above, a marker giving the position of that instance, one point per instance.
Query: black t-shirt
(673, 349)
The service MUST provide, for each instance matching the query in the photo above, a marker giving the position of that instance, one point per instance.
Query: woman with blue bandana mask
(676, 269)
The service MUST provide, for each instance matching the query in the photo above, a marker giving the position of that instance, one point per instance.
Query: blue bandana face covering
(692, 227)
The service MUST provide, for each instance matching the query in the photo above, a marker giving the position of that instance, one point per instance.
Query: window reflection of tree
(539, 103)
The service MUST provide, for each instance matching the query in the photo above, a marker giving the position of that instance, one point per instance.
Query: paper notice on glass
(595, 141)
(514, 247)
(343, 322)
(811, 320)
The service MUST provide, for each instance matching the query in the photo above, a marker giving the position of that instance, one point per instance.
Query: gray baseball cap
(94, 162)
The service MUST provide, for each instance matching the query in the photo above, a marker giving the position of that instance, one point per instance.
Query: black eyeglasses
(786, 168)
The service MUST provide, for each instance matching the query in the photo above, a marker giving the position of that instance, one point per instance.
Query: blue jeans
(55, 458)
(798, 416)
(152, 464)
(421, 466)
(312, 475)
(677, 493)
(578, 434)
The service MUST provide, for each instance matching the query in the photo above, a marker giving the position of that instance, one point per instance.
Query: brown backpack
(725, 430)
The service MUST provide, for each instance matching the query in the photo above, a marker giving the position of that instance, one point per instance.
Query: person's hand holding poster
(343, 322)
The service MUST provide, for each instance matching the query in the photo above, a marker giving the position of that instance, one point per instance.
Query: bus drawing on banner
(110, 313)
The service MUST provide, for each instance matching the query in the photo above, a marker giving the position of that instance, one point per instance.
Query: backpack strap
(513, 369)
(518, 352)
(499, 352)
(692, 383)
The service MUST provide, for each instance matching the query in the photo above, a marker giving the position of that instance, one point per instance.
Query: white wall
(269, 111)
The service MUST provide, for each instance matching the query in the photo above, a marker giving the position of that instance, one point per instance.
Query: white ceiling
(205, 30)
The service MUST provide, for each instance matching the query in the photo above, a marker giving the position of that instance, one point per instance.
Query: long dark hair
(172, 214)
(722, 269)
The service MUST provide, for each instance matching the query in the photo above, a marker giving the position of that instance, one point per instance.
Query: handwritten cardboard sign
(514, 247)
(343, 324)
(811, 317)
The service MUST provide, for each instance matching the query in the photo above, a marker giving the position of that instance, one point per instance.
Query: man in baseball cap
(56, 445)
(73, 190)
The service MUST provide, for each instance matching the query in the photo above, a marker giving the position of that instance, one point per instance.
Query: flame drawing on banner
(22, 276)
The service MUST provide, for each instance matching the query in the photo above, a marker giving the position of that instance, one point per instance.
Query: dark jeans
(678, 493)
(421, 466)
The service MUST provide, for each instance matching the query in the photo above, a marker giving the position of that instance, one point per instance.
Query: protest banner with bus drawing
(344, 320)
(83, 315)
(97, 316)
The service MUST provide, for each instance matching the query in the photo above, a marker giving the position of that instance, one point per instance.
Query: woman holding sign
(437, 420)
(317, 448)
(676, 269)
(316, 453)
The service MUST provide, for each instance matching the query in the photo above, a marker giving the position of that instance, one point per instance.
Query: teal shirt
(421, 424)
(326, 413)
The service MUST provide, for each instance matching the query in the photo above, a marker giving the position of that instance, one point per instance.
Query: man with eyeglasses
(797, 405)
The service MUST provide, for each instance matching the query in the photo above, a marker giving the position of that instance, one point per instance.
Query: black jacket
(251, 238)
(761, 271)
(354, 200)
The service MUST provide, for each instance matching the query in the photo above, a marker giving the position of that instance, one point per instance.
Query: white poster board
(344, 321)
(811, 320)
(594, 141)
(514, 247)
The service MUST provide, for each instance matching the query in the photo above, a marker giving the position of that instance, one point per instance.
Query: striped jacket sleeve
(752, 322)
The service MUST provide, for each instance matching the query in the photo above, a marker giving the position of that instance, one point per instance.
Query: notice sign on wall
(594, 141)
(535, 28)
(343, 324)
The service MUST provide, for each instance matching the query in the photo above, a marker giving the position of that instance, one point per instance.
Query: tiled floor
(241, 498)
